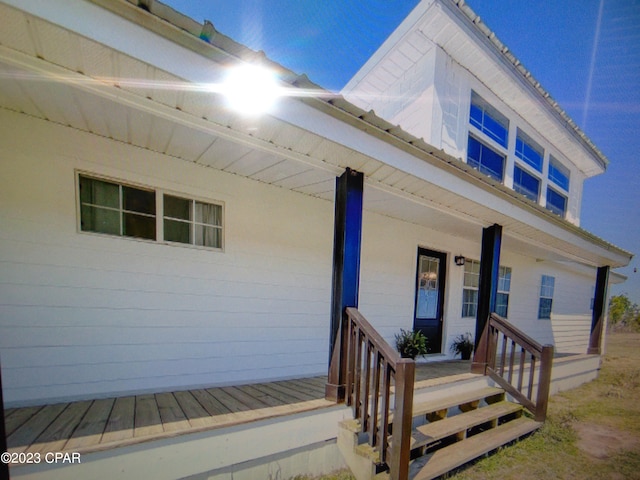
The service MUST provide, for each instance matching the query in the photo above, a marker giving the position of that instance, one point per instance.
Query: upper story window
(556, 202)
(526, 184)
(485, 159)
(558, 173)
(116, 209)
(488, 120)
(529, 151)
(547, 286)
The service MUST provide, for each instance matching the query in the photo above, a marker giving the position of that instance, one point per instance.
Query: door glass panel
(427, 301)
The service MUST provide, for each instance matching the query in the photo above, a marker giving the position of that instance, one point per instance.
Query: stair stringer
(360, 458)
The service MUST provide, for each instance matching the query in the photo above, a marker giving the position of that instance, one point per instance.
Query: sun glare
(251, 89)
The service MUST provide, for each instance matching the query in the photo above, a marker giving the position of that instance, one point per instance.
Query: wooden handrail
(379, 387)
(529, 356)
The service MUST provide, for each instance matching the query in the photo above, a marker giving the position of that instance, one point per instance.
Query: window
(526, 184)
(546, 297)
(529, 151)
(192, 222)
(504, 286)
(488, 120)
(107, 207)
(556, 202)
(485, 159)
(470, 289)
(117, 209)
(558, 174)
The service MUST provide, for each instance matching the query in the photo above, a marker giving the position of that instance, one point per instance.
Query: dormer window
(485, 159)
(529, 151)
(558, 174)
(488, 120)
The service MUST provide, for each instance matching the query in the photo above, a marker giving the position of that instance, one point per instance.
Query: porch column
(4, 467)
(599, 310)
(346, 274)
(487, 293)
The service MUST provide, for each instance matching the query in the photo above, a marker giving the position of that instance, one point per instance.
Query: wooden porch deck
(95, 425)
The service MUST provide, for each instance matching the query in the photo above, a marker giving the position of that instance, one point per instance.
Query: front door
(429, 301)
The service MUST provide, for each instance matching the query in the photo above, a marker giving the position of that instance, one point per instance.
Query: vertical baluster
(356, 387)
(521, 371)
(351, 361)
(503, 354)
(512, 360)
(375, 399)
(383, 432)
(531, 374)
(366, 385)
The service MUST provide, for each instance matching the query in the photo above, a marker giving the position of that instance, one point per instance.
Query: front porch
(112, 432)
(107, 426)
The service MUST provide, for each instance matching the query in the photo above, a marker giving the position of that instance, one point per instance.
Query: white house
(153, 239)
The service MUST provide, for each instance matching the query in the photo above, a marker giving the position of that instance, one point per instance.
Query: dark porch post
(599, 309)
(346, 274)
(4, 467)
(487, 293)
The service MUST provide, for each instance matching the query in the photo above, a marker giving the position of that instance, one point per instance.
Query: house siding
(89, 315)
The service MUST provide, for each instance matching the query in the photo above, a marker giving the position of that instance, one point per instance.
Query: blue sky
(585, 53)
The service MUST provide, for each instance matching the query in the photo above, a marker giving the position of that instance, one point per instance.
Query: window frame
(553, 208)
(159, 211)
(470, 309)
(557, 173)
(487, 111)
(480, 167)
(547, 291)
(528, 143)
(522, 190)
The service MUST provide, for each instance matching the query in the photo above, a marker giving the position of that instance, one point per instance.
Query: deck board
(147, 416)
(210, 403)
(58, 432)
(171, 414)
(193, 410)
(17, 417)
(121, 421)
(92, 425)
(28, 432)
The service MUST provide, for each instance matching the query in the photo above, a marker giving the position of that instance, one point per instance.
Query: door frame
(442, 288)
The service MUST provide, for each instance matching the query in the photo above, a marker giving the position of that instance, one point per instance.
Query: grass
(591, 432)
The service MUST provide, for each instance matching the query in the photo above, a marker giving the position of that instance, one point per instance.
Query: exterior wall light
(459, 259)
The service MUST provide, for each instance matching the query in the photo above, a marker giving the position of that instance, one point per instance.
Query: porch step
(465, 401)
(448, 458)
(469, 400)
(460, 425)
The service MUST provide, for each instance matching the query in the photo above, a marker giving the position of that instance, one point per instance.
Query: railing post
(402, 419)
(544, 383)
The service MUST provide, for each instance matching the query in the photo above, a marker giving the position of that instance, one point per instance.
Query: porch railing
(522, 366)
(379, 387)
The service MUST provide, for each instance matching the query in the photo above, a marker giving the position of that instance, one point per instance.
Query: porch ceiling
(54, 74)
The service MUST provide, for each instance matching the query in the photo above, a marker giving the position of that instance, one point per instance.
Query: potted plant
(463, 345)
(410, 344)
